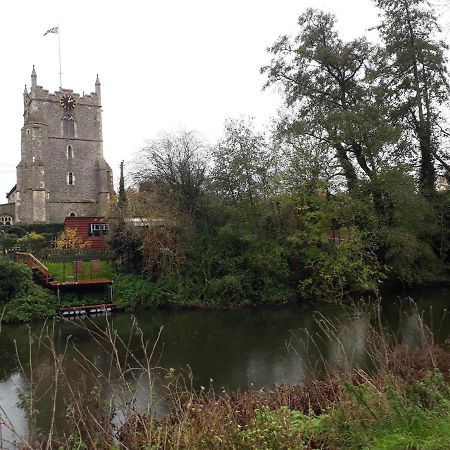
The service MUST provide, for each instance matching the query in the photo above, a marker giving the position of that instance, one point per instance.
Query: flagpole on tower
(55, 30)
(59, 52)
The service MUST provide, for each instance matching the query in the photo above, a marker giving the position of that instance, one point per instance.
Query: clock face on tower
(67, 101)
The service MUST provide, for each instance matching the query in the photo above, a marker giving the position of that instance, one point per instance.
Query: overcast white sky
(163, 65)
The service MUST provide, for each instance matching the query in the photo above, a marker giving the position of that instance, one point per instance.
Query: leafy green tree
(305, 164)
(329, 256)
(414, 76)
(243, 164)
(326, 83)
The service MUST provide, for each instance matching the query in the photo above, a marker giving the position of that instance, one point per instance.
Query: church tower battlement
(62, 171)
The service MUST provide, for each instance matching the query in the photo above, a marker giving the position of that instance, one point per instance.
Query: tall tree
(413, 65)
(122, 201)
(325, 82)
(242, 164)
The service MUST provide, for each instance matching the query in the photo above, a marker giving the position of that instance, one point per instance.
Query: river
(238, 349)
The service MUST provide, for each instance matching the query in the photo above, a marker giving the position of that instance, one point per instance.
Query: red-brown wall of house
(82, 226)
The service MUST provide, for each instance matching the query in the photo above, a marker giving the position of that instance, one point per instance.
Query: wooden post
(96, 267)
(78, 269)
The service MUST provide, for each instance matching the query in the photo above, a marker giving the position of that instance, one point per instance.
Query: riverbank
(403, 404)
(178, 370)
(21, 300)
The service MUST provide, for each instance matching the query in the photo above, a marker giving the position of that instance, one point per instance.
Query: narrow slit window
(70, 179)
(69, 152)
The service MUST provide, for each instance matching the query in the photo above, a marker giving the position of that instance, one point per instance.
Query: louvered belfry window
(68, 127)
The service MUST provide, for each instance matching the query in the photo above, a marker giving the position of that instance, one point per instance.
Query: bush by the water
(21, 299)
(132, 292)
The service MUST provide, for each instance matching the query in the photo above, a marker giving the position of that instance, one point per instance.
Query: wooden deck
(93, 282)
(86, 310)
(59, 286)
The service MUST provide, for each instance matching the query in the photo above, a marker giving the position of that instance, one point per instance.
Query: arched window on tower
(70, 179)
(68, 127)
(69, 152)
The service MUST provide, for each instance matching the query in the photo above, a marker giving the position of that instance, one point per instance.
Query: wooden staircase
(40, 271)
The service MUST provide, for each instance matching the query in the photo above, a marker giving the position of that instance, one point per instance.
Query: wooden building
(89, 229)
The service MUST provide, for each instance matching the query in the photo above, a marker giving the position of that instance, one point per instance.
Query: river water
(239, 349)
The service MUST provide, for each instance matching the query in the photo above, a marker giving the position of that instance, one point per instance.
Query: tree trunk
(427, 171)
(347, 166)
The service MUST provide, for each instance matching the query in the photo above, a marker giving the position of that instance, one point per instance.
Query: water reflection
(13, 422)
(236, 349)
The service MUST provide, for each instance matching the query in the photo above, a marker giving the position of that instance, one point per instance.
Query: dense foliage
(22, 300)
(346, 192)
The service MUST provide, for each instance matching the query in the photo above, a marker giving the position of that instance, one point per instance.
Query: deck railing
(31, 261)
(56, 255)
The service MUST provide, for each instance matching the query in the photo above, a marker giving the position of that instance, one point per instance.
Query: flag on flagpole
(52, 30)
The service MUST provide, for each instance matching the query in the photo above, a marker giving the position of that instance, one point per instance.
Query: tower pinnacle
(98, 89)
(33, 77)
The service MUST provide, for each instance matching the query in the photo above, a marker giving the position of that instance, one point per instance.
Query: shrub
(136, 292)
(14, 279)
(22, 299)
(36, 303)
(32, 242)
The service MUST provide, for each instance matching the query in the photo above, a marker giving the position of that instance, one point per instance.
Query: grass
(360, 411)
(61, 271)
(392, 414)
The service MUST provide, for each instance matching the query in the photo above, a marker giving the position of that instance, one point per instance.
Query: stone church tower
(62, 171)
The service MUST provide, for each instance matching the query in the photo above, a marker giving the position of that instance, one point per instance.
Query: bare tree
(173, 165)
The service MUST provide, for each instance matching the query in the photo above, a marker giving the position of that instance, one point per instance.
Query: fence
(56, 255)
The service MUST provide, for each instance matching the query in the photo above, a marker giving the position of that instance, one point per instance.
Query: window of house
(68, 127)
(70, 179)
(6, 220)
(98, 229)
(72, 214)
(69, 152)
